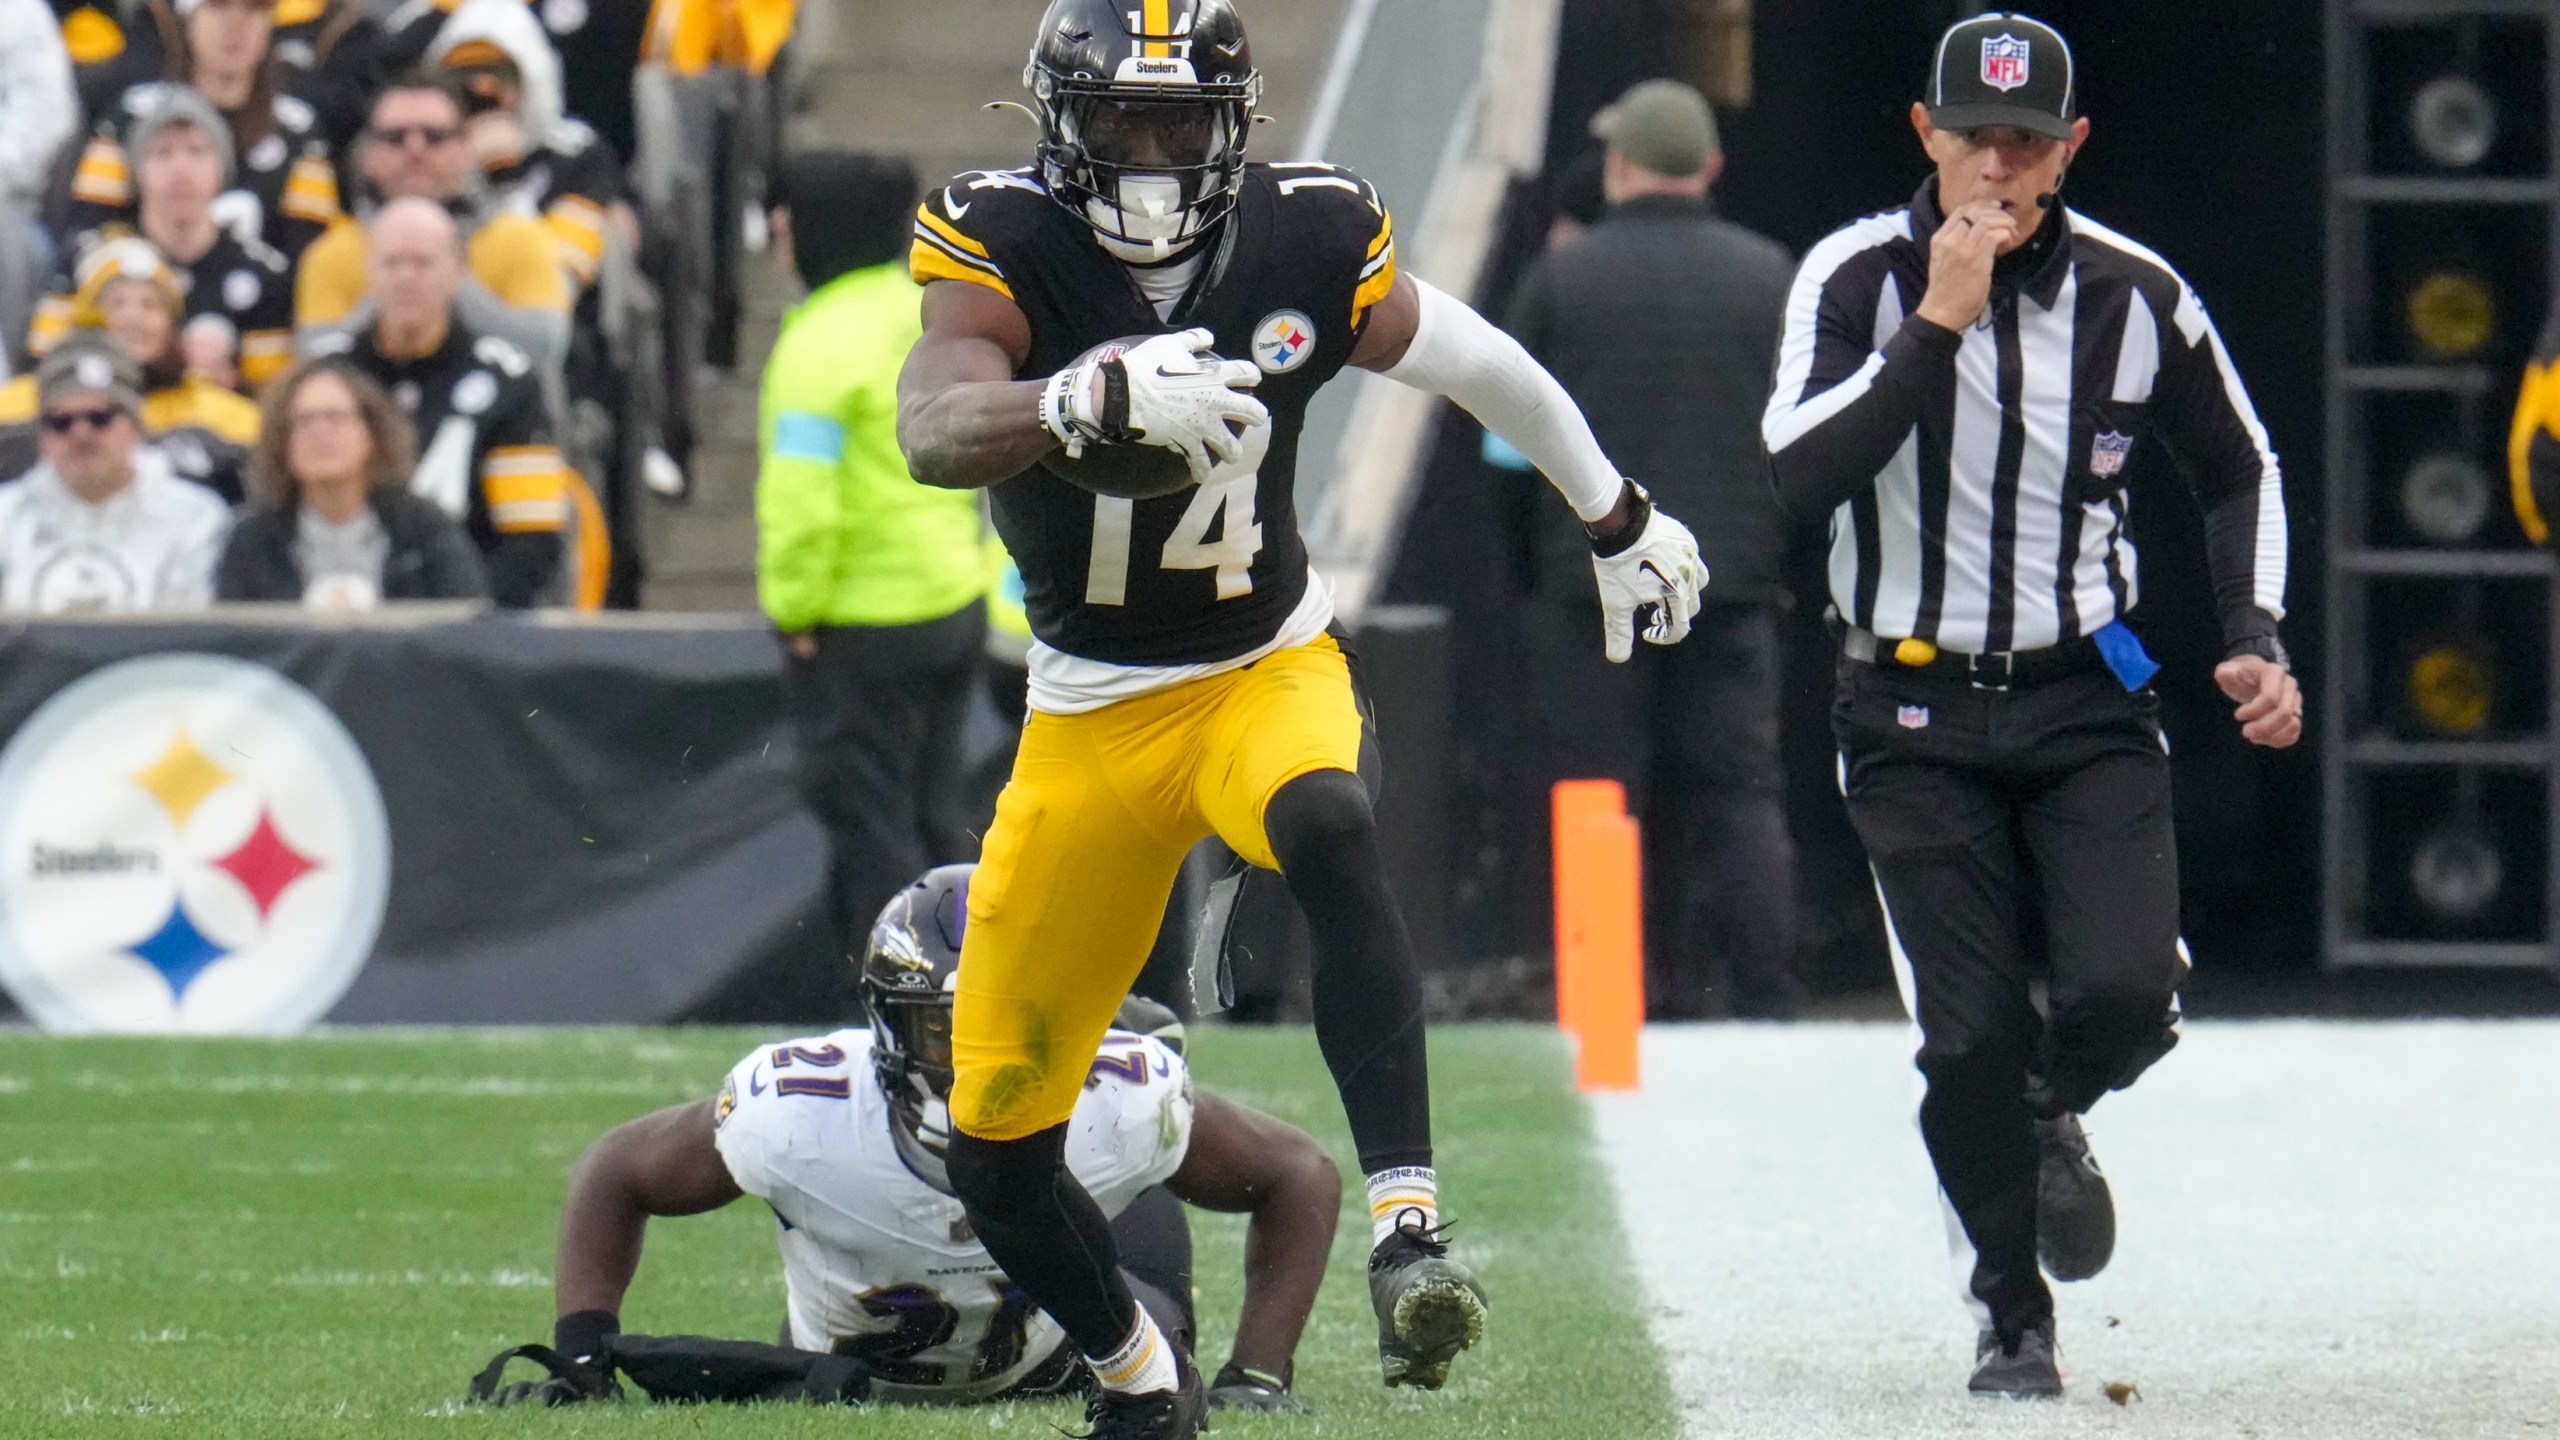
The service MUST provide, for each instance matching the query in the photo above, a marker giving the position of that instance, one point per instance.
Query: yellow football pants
(1082, 857)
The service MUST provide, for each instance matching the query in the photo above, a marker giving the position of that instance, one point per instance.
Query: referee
(1961, 384)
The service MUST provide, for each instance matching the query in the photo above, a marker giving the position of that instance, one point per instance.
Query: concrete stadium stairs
(907, 78)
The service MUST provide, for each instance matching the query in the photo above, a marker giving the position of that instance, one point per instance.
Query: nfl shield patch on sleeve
(2108, 452)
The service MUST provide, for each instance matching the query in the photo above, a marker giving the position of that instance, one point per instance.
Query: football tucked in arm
(1131, 469)
(1147, 415)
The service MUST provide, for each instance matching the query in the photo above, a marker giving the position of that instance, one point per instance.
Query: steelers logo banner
(188, 844)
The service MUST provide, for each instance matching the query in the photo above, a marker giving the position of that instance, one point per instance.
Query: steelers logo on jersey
(475, 392)
(267, 154)
(1283, 342)
(241, 289)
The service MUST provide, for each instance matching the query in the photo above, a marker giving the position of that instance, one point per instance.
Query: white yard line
(2329, 1231)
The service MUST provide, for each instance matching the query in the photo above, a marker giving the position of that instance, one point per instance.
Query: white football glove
(1658, 567)
(1170, 391)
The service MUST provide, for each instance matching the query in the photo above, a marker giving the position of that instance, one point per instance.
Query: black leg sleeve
(1367, 992)
(1046, 1233)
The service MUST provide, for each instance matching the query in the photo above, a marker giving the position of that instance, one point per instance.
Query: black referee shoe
(2019, 1369)
(2075, 1212)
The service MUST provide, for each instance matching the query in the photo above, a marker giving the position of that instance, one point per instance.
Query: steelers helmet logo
(1283, 342)
(188, 844)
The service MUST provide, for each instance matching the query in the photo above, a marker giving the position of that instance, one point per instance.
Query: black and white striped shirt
(1975, 481)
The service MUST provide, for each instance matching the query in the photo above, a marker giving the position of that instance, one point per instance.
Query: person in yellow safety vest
(2533, 441)
(874, 582)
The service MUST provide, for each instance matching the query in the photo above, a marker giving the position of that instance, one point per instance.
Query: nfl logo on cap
(2004, 62)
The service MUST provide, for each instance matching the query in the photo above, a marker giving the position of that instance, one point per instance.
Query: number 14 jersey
(1128, 597)
(878, 1263)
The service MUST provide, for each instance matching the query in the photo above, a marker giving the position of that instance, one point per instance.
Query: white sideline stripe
(1347, 48)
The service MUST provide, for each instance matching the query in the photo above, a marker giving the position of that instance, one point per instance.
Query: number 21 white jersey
(880, 1264)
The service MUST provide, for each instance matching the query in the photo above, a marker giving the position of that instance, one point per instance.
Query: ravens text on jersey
(1210, 572)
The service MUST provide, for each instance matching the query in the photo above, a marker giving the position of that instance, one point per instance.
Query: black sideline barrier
(580, 820)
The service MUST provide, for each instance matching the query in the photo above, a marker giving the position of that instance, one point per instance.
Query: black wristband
(1618, 541)
(584, 1336)
(1114, 410)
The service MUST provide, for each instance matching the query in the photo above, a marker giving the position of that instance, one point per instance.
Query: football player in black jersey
(1184, 680)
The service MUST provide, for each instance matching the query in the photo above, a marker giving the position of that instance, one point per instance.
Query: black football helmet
(910, 969)
(1143, 108)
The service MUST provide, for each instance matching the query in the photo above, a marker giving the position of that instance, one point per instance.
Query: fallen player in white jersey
(889, 1295)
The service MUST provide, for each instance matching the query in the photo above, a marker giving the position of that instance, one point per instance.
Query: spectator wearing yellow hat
(182, 162)
(132, 297)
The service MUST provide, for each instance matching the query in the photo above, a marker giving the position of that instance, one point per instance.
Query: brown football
(1132, 472)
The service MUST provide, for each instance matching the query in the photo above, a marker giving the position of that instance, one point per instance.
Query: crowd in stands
(315, 301)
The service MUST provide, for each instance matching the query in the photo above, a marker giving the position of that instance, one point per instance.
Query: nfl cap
(2004, 69)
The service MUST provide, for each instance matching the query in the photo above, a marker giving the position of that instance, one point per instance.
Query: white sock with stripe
(1143, 1362)
(1397, 1196)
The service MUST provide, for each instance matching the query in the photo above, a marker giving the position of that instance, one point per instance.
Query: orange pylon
(1599, 871)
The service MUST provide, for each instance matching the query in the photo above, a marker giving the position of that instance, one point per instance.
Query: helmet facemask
(911, 1049)
(1150, 167)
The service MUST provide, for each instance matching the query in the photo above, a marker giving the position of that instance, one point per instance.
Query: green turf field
(323, 1237)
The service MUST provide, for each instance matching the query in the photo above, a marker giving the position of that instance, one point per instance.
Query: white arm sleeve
(1458, 353)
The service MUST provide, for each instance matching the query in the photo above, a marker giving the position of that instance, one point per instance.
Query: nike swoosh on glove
(1170, 391)
(1652, 577)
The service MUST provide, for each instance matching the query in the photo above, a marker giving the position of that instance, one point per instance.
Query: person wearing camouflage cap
(101, 524)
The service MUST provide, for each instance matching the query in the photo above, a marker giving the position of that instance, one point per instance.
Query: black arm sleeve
(1825, 445)
(2203, 416)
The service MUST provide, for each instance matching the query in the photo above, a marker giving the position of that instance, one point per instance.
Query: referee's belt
(1999, 670)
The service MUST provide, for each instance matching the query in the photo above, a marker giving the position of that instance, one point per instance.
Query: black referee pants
(877, 713)
(2008, 827)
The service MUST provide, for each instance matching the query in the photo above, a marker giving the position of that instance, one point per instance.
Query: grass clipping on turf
(219, 1239)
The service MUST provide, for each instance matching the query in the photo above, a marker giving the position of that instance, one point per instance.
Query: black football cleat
(2075, 1212)
(1429, 1306)
(2020, 1369)
(1176, 1414)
